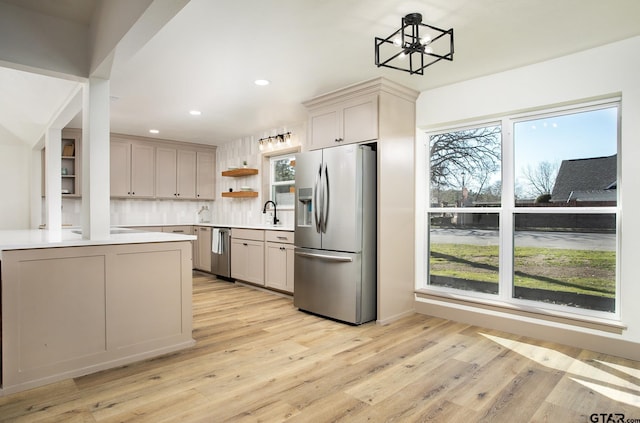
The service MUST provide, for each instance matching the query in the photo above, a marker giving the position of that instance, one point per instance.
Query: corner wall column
(95, 160)
(53, 187)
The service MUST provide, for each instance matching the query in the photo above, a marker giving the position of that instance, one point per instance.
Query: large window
(283, 179)
(525, 210)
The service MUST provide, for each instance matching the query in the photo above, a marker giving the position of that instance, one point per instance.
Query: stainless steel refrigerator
(335, 233)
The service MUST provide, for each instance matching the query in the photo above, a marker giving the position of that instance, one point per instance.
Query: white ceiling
(208, 56)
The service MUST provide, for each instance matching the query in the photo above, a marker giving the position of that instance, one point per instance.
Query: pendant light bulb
(425, 39)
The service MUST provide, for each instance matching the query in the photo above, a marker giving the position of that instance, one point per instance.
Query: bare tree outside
(468, 158)
(541, 178)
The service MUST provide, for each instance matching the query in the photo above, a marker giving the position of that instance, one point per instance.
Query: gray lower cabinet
(202, 255)
(247, 255)
(278, 256)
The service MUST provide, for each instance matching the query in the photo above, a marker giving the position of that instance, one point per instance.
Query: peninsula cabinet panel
(54, 297)
(145, 298)
(70, 311)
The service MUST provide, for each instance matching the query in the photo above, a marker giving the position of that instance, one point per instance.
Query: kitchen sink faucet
(275, 211)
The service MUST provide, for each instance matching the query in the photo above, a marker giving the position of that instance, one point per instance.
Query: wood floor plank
(257, 358)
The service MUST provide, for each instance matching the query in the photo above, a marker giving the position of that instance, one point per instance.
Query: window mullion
(506, 215)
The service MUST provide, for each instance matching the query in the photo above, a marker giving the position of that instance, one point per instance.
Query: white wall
(607, 70)
(14, 189)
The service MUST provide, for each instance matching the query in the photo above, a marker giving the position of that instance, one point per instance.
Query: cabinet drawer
(279, 236)
(252, 234)
(187, 230)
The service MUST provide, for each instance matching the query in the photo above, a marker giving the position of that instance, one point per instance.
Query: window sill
(606, 325)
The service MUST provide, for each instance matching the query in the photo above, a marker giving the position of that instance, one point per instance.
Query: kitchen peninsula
(72, 306)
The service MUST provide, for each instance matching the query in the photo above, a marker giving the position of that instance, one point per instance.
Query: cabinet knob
(339, 140)
(245, 244)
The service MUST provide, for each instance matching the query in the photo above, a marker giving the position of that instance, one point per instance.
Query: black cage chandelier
(414, 46)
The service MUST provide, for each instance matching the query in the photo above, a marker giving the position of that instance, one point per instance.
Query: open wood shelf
(240, 194)
(240, 172)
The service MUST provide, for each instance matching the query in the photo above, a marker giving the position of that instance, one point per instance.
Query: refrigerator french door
(335, 233)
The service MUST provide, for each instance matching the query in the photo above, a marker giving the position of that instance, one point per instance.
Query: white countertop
(215, 225)
(42, 238)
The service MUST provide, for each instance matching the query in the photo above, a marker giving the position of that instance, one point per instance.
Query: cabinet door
(186, 174)
(360, 119)
(255, 262)
(142, 170)
(204, 248)
(205, 175)
(277, 268)
(247, 260)
(239, 259)
(166, 171)
(120, 169)
(324, 128)
(351, 121)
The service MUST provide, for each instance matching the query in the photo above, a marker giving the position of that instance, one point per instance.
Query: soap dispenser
(204, 215)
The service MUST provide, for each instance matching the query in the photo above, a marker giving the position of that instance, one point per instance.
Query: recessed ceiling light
(154, 131)
(261, 82)
(195, 112)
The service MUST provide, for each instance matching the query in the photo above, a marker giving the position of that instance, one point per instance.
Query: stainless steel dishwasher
(221, 252)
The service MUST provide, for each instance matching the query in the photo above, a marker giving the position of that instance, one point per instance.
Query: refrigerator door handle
(324, 257)
(316, 203)
(325, 199)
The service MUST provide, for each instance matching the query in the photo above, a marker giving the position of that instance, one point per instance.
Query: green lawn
(577, 271)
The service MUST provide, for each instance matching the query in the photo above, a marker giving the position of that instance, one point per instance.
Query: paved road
(574, 241)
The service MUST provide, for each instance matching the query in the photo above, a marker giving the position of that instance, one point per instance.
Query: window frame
(506, 215)
(272, 183)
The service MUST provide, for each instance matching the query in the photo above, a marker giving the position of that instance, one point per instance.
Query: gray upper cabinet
(132, 168)
(147, 168)
(175, 173)
(343, 121)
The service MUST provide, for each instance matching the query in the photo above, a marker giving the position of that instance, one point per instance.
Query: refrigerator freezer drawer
(329, 284)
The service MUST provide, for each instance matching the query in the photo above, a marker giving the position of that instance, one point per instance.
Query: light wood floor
(259, 359)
